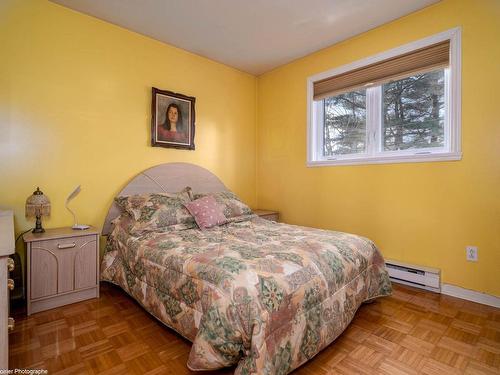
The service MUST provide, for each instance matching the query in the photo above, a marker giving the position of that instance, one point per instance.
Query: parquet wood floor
(411, 332)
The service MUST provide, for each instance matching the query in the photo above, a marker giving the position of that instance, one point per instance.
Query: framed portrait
(172, 122)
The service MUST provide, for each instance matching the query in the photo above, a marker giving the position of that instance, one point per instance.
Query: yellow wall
(423, 213)
(75, 108)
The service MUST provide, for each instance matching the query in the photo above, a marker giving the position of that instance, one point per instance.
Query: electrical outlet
(471, 253)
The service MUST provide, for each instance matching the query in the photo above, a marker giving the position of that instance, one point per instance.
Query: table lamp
(37, 205)
(73, 194)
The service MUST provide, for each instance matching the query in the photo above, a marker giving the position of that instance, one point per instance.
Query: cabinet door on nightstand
(44, 270)
(86, 265)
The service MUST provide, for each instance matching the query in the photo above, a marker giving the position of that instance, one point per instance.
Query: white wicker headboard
(166, 178)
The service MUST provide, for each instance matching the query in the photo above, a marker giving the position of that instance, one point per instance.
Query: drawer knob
(66, 245)
(10, 284)
(11, 323)
(10, 264)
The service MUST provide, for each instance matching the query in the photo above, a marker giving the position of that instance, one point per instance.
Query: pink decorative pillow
(207, 212)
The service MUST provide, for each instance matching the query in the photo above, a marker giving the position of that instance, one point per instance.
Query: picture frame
(172, 120)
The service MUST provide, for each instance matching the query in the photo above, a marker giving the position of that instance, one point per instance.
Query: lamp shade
(37, 204)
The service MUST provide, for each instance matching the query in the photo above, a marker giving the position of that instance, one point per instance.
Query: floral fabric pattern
(266, 296)
(157, 211)
(206, 212)
(233, 206)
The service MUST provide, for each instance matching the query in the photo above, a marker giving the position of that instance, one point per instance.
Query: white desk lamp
(75, 226)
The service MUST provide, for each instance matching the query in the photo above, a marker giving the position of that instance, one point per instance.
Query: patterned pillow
(155, 211)
(233, 206)
(207, 212)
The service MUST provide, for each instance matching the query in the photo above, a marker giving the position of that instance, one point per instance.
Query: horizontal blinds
(421, 60)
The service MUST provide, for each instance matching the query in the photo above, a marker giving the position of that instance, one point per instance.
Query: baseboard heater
(416, 276)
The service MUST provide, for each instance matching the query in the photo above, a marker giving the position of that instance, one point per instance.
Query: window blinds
(398, 67)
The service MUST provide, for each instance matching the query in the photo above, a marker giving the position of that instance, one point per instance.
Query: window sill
(412, 158)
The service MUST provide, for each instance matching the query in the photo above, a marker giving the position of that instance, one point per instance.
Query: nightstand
(268, 215)
(62, 267)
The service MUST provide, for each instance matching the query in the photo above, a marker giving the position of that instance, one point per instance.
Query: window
(399, 106)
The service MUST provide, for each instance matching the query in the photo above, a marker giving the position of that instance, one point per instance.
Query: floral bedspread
(265, 295)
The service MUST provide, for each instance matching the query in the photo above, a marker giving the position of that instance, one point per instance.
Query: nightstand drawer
(62, 244)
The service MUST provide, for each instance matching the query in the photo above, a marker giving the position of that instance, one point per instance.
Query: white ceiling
(254, 36)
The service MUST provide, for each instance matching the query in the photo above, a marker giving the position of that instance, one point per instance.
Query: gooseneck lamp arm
(70, 197)
(73, 194)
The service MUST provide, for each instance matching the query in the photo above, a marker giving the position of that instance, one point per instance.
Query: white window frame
(452, 126)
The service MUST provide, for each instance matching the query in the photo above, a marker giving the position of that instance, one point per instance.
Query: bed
(263, 295)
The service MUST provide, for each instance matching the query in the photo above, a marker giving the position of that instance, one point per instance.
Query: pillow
(232, 205)
(207, 212)
(156, 211)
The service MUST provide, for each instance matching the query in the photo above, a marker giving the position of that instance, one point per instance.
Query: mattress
(263, 295)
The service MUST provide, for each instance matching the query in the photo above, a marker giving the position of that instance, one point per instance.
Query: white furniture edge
(470, 295)
(455, 112)
(166, 178)
(7, 247)
(4, 314)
